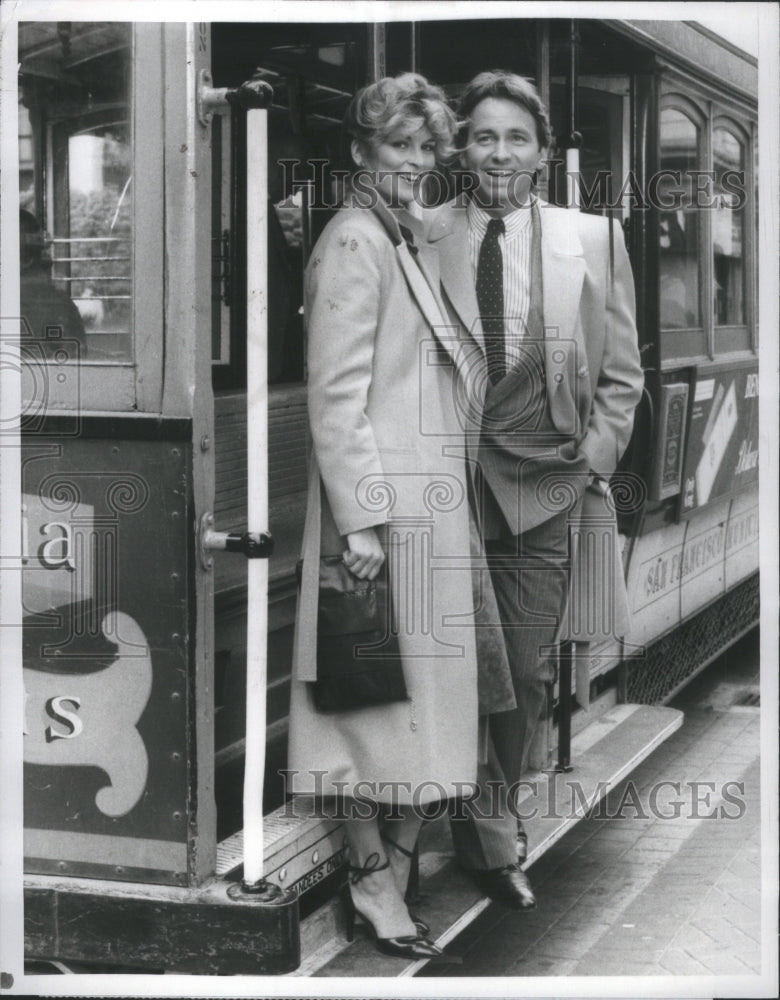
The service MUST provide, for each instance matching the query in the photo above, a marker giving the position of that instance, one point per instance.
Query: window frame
(133, 384)
(729, 334)
(694, 341)
(713, 343)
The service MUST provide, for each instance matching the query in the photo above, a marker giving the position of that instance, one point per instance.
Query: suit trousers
(530, 575)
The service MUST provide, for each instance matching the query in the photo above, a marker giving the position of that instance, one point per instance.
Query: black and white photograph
(389, 498)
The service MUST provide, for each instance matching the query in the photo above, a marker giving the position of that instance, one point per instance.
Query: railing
(94, 293)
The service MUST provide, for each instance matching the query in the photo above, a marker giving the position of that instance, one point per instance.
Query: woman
(382, 409)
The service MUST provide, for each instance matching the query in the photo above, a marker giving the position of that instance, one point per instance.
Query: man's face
(503, 150)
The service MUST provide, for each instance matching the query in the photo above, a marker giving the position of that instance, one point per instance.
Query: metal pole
(564, 707)
(574, 138)
(257, 486)
(377, 65)
(254, 96)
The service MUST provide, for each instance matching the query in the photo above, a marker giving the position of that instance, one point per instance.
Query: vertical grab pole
(257, 486)
(565, 657)
(254, 97)
(574, 138)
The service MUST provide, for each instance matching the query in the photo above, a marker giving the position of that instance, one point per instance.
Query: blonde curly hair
(380, 108)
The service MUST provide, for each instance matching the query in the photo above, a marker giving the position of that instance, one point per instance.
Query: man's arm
(620, 380)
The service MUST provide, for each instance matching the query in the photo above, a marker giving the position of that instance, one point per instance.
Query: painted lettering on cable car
(105, 625)
(56, 549)
(325, 868)
(82, 718)
(90, 719)
(742, 531)
(677, 565)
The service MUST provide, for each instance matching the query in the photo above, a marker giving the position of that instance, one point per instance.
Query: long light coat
(594, 375)
(383, 410)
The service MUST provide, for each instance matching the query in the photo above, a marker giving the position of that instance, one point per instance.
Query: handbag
(358, 656)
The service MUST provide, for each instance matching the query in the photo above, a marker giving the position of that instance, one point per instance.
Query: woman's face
(399, 160)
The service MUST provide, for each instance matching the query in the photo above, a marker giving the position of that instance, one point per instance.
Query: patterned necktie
(490, 299)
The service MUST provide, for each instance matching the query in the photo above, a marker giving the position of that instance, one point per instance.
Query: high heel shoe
(421, 926)
(406, 946)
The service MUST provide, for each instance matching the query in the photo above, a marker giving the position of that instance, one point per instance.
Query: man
(546, 307)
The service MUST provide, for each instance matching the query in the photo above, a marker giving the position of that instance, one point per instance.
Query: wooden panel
(156, 928)
(287, 433)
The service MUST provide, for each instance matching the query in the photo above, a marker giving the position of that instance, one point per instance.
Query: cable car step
(603, 754)
(299, 848)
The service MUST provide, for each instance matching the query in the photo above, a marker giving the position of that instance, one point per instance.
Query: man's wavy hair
(380, 108)
(501, 83)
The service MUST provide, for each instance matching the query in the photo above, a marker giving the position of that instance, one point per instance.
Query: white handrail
(257, 486)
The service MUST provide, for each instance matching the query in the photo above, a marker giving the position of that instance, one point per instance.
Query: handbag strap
(305, 644)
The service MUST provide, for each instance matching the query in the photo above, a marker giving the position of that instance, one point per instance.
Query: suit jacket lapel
(450, 236)
(563, 271)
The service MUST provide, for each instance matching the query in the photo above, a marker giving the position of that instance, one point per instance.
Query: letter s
(61, 714)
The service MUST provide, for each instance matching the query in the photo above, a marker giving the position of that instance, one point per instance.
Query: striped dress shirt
(515, 244)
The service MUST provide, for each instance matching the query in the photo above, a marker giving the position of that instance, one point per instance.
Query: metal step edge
(322, 934)
(287, 831)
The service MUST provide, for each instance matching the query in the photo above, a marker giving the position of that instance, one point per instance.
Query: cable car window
(314, 70)
(76, 190)
(452, 53)
(679, 236)
(728, 222)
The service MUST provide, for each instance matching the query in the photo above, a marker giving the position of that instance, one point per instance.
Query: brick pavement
(645, 895)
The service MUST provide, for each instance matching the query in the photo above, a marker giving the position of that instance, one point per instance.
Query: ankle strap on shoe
(401, 850)
(373, 864)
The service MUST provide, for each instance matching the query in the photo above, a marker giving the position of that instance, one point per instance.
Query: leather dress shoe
(508, 885)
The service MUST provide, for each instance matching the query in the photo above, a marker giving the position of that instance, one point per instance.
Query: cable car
(172, 179)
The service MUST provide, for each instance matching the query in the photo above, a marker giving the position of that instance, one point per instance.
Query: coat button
(582, 371)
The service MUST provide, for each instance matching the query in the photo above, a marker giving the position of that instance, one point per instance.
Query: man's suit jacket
(593, 372)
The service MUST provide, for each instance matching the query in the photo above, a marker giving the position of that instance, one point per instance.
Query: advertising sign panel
(721, 456)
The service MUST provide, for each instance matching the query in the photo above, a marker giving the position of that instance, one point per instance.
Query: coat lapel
(422, 276)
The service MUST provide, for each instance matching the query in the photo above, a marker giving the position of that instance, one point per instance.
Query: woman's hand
(364, 557)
